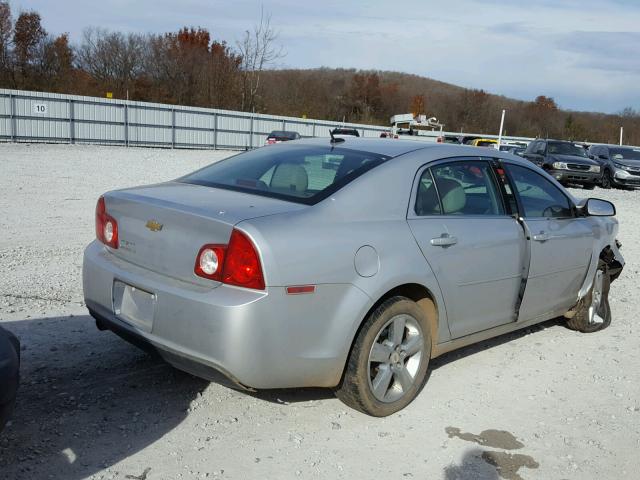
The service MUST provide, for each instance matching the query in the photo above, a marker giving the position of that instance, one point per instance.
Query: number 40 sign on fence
(40, 108)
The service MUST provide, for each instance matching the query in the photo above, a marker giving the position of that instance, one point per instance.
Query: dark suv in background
(620, 165)
(565, 161)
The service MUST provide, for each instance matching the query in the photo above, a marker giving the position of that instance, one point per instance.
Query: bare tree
(258, 50)
(112, 58)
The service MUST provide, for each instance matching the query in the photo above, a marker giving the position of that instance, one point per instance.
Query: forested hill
(373, 96)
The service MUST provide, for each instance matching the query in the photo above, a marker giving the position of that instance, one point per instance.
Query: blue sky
(584, 53)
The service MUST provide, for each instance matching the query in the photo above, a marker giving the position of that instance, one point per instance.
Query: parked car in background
(278, 136)
(9, 374)
(620, 165)
(567, 162)
(514, 149)
(450, 139)
(340, 131)
(484, 142)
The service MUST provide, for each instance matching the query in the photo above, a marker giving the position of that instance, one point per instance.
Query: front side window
(301, 173)
(459, 188)
(539, 148)
(539, 197)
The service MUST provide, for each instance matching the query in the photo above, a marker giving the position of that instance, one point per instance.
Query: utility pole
(501, 126)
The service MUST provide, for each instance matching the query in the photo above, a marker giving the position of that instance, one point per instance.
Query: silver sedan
(346, 263)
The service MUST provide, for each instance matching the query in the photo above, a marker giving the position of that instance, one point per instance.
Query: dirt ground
(543, 403)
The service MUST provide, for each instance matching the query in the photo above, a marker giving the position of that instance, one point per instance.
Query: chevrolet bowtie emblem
(154, 226)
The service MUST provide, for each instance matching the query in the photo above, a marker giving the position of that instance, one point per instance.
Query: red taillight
(237, 263)
(106, 225)
(242, 265)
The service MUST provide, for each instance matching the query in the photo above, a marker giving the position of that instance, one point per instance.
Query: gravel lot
(544, 403)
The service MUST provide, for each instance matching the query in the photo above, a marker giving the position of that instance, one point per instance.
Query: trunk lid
(162, 227)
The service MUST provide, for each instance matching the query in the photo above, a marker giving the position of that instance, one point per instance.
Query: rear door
(474, 247)
(560, 244)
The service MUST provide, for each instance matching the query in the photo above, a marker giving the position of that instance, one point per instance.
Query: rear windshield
(346, 131)
(625, 153)
(285, 135)
(303, 174)
(566, 148)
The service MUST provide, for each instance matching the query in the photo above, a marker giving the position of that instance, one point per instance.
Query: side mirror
(596, 207)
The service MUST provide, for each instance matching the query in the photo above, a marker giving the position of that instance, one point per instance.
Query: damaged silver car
(346, 263)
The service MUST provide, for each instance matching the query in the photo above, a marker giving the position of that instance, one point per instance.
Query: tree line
(190, 67)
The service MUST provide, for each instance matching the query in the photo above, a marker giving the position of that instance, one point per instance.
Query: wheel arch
(416, 292)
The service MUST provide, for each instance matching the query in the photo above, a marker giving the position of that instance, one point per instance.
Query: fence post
(12, 116)
(173, 127)
(126, 125)
(284, 125)
(313, 131)
(215, 131)
(72, 123)
(251, 133)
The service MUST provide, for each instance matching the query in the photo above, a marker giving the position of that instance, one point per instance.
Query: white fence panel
(36, 116)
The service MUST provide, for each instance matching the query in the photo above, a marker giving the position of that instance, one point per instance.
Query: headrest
(452, 194)
(291, 177)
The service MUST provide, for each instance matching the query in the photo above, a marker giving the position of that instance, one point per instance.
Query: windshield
(566, 148)
(303, 174)
(625, 153)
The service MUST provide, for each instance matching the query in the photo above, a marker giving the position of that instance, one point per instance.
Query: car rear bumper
(256, 339)
(575, 176)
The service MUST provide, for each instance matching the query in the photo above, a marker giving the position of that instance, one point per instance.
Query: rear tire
(607, 180)
(387, 366)
(594, 313)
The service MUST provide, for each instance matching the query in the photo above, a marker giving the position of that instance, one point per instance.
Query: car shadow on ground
(454, 355)
(87, 400)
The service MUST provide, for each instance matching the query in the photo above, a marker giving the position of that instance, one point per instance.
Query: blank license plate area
(133, 305)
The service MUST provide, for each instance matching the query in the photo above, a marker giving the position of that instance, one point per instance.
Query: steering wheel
(553, 211)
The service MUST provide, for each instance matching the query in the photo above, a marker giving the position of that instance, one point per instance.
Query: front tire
(388, 363)
(607, 180)
(589, 186)
(593, 313)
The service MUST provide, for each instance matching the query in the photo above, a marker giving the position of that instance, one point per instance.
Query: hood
(627, 162)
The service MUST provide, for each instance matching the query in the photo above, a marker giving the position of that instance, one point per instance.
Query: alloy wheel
(395, 358)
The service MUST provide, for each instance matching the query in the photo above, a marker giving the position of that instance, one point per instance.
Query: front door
(560, 245)
(474, 248)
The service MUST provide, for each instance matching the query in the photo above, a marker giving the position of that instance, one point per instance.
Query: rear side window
(458, 188)
(301, 173)
(539, 197)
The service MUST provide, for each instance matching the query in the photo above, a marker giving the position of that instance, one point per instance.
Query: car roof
(397, 147)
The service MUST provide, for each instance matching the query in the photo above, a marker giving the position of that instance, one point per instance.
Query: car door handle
(541, 237)
(444, 240)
